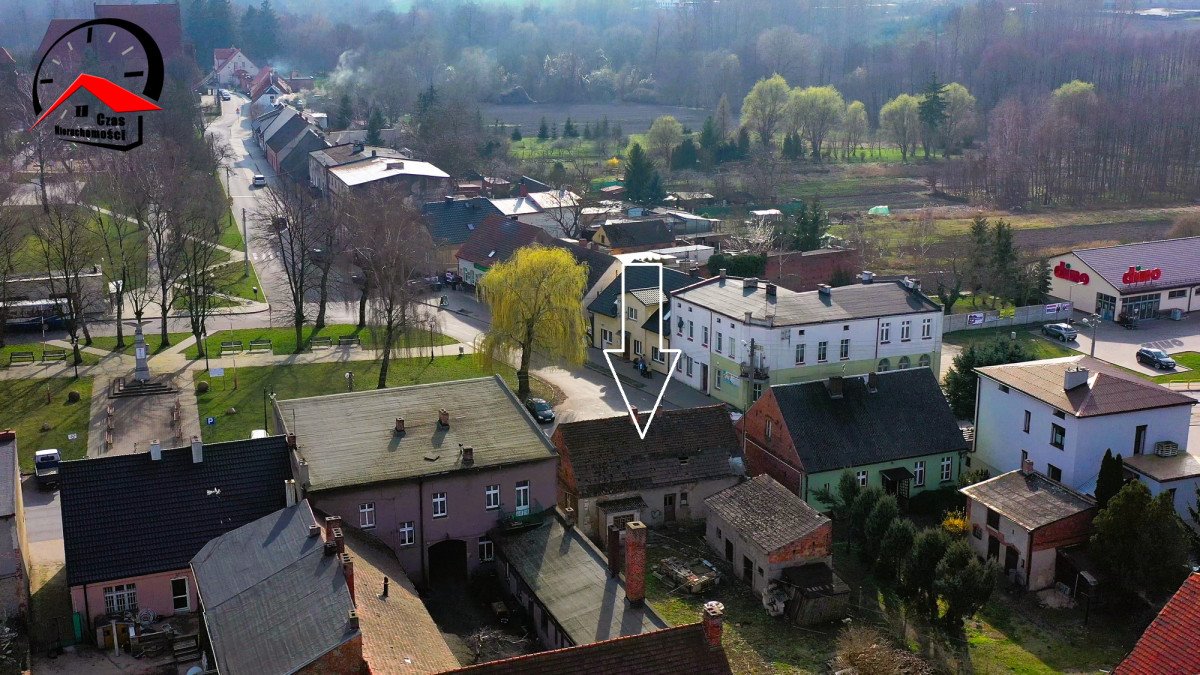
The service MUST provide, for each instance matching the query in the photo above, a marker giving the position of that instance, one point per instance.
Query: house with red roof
(1171, 643)
(266, 90)
(495, 240)
(233, 69)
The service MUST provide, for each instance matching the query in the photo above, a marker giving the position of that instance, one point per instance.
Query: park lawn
(316, 379)
(1040, 346)
(240, 285)
(283, 339)
(153, 341)
(23, 408)
(37, 349)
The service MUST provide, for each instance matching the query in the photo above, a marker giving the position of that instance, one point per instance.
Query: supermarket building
(1140, 280)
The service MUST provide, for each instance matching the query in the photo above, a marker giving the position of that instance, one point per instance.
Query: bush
(72, 396)
(202, 387)
(868, 652)
(956, 523)
(934, 503)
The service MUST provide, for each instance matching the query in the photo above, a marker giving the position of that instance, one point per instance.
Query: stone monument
(141, 353)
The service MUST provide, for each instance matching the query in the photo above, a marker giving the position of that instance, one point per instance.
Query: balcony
(755, 373)
(523, 517)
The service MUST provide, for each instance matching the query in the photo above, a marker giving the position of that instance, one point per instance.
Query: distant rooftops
(379, 168)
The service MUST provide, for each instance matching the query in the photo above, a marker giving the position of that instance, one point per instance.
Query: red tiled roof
(1171, 644)
(500, 237)
(682, 649)
(223, 54)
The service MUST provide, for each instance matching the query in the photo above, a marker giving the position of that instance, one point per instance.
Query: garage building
(1140, 280)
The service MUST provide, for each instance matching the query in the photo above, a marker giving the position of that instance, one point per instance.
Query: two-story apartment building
(643, 322)
(1065, 413)
(740, 336)
(427, 469)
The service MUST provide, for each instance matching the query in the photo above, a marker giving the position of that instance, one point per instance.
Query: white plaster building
(1140, 280)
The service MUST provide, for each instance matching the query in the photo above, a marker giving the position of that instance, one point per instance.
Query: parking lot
(1119, 345)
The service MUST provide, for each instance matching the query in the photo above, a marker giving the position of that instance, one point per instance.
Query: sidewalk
(678, 394)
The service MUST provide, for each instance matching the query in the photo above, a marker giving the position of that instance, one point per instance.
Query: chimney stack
(331, 522)
(1074, 376)
(155, 450)
(868, 276)
(569, 516)
(339, 540)
(713, 617)
(872, 382)
(289, 492)
(352, 617)
(1027, 467)
(291, 441)
(444, 418)
(399, 425)
(635, 562)
(771, 289)
(614, 551)
(825, 289)
(750, 282)
(314, 530)
(197, 450)
(633, 413)
(385, 588)
(348, 570)
(468, 456)
(835, 385)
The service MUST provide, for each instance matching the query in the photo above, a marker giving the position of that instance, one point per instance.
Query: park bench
(349, 341)
(52, 354)
(260, 345)
(322, 342)
(231, 346)
(20, 357)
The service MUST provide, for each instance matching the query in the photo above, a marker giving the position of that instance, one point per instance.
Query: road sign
(71, 437)
(210, 421)
(216, 372)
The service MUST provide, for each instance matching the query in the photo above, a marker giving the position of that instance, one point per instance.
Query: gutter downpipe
(421, 532)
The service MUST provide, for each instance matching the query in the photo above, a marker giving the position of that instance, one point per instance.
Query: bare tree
(297, 218)
(489, 644)
(10, 242)
(67, 253)
(198, 228)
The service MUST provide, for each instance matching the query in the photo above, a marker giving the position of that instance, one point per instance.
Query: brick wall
(819, 544)
(774, 457)
(1066, 532)
(802, 272)
(567, 491)
(345, 660)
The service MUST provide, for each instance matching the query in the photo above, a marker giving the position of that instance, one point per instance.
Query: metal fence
(996, 318)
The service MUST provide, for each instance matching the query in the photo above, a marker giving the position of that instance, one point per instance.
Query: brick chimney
(348, 570)
(444, 418)
(633, 412)
(340, 540)
(713, 617)
(352, 618)
(291, 441)
(771, 290)
(331, 522)
(635, 562)
(197, 450)
(155, 450)
(468, 456)
(399, 425)
(614, 551)
(1027, 467)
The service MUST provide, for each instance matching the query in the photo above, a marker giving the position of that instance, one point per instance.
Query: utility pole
(245, 245)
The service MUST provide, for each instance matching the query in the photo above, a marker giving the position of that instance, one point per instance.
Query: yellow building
(642, 323)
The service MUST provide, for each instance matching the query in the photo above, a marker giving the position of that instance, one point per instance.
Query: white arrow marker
(673, 354)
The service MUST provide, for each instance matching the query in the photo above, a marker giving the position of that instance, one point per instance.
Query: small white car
(259, 180)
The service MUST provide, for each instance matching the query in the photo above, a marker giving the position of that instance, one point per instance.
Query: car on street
(540, 409)
(259, 180)
(1155, 358)
(224, 95)
(1060, 331)
(45, 468)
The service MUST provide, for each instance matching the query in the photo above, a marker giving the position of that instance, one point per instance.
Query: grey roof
(732, 298)
(451, 221)
(766, 513)
(348, 439)
(128, 515)
(294, 162)
(570, 578)
(279, 137)
(1179, 260)
(607, 457)
(344, 153)
(1029, 500)
(907, 416)
(277, 122)
(8, 478)
(1165, 469)
(1109, 390)
(638, 233)
(266, 119)
(637, 278)
(634, 503)
(273, 601)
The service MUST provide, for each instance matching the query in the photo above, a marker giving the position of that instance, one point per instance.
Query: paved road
(43, 523)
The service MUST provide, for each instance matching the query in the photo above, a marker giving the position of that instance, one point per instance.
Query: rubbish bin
(1176, 314)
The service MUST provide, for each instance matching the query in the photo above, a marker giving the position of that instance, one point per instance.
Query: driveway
(1119, 345)
(43, 523)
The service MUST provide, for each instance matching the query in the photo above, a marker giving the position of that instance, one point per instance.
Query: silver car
(1060, 331)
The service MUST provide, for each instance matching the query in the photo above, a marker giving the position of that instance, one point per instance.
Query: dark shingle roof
(732, 297)
(907, 416)
(597, 262)
(287, 133)
(1109, 390)
(682, 446)
(1031, 501)
(127, 515)
(8, 477)
(1112, 262)
(637, 277)
(570, 578)
(1169, 645)
(295, 157)
(766, 513)
(273, 601)
(497, 238)
(638, 233)
(682, 649)
(451, 221)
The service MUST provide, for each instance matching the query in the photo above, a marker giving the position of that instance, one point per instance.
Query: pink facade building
(429, 469)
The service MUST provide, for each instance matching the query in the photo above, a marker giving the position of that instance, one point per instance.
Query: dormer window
(492, 253)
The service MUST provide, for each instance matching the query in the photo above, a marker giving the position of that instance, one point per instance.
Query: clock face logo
(94, 83)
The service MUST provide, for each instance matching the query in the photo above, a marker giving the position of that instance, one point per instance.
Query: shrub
(202, 387)
(72, 396)
(868, 652)
(956, 523)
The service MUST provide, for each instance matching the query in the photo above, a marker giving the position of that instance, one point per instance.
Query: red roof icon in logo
(116, 97)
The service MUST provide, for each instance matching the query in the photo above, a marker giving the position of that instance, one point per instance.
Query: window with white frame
(923, 361)
(522, 502)
(704, 335)
(120, 598)
(689, 365)
(366, 515)
(919, 473)
(637, 347)
(181, 600)
(884, 365)
(844, 349)
(862, 478)
(947, 467)
(905, 330)
(439, 505)
(691, 329)
(756, 391)
(926, 329)
(720, 375)
(657, 355)
(631, 312)
(822, 351)
(487, 550)
(408, 533)
(606, 336)
(732, 350)
(491, 497)
(679, 365)
(800, 353)
(718, 341)
(885, 332)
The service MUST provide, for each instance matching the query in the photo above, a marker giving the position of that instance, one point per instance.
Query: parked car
(259, 180)
(1060, 331)
(45, 468)
(224, 95)
(1155, 358)
(540, 409)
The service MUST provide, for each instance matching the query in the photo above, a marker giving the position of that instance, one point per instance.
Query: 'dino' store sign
(1063, 271)
(1141, 275)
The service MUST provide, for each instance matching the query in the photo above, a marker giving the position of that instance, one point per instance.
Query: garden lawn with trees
(25, 410)
(283, 339)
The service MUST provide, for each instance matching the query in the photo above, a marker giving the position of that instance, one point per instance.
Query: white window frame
(704, 336)
(120, 598)
(491, 497)
(926, 329)
(408, 533)
(522, 498)
(861, 476)
(487, 550)
(905, 330)
(885, 332)
(656, 355)
(717, 342)
(691, 329)
(718, 375)
(822, 352)
(366, 515)
(606, 336)
(631, 313)
(690, 364)
(844, 350)
(947, 468)
(441, 505)
(756, 390)
(187, 595)
(637, 347)
(800, 354)
(919, 473)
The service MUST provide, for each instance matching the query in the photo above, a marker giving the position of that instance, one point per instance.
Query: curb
(605, 371)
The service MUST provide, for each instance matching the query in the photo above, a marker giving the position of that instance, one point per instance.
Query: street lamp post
(75, 355)
(245, 246)
(204, 346)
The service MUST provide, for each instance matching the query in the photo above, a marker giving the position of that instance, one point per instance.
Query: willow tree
(536, 302)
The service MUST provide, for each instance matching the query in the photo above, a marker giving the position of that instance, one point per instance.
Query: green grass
(237, 284)
(37, 349)
(316, 379)
(153, 341)
(23, 407)
(530, 147)
(1188, 360)
(284, 339)
(1040, 346)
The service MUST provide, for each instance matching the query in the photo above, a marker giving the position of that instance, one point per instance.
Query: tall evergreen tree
(587, 131)
(569, 130)
(1111, 478)
(932, 111)
(224, 30)
(249, 32)
(811, 225)
(979, 257)
(743, 143)
(345, 113)
(516, 134)
(375, 124)
(639, 171)
(1005, 270)
(685, 155)
(268, 30)
(543, 130)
